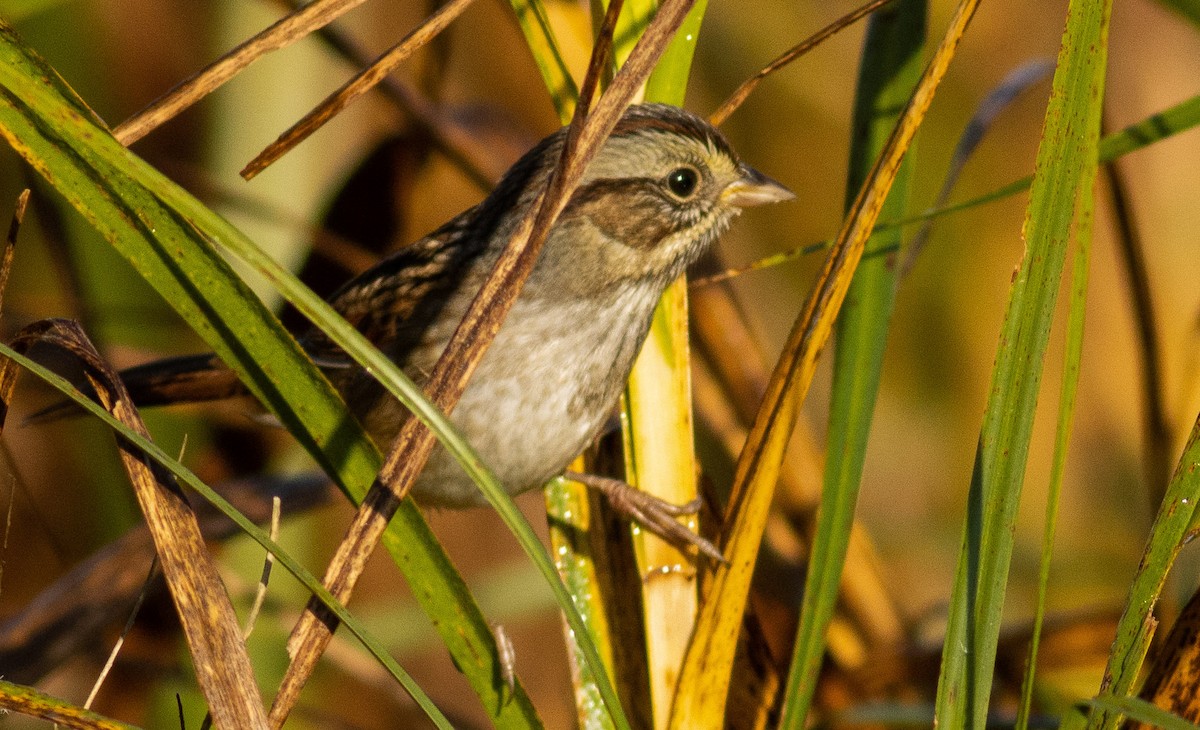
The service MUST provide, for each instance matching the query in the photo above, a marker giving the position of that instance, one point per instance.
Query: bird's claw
(655, 514)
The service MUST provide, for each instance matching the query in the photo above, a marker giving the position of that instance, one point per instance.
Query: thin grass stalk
(449, 136)
(890, 69)
(284, 32)
(1065, 176)
(742, 92)
(361, 83)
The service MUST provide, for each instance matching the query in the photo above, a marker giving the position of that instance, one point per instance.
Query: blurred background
(67, 497)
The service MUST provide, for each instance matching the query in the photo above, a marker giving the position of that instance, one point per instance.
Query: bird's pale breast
(543, 390)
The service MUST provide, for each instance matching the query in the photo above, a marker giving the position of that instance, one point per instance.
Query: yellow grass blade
(704, 683)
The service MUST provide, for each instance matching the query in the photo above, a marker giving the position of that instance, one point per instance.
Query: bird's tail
(184, 379)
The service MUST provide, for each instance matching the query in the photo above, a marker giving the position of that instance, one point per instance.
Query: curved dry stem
(363, 82)
(209, 623)
(283, 33)
(735, 100)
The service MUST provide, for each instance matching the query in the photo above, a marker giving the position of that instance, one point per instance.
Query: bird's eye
(682, 182)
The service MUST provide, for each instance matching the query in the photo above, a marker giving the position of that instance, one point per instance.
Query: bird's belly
(541, 393)
(524, 433)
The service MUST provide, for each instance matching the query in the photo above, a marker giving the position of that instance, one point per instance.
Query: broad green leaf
(256, 533)
(161, 230)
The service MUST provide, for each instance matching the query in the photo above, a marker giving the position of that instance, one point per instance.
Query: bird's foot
(654, 514)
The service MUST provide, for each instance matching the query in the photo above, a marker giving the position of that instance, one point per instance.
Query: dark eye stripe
(644, 187)
(635, 211)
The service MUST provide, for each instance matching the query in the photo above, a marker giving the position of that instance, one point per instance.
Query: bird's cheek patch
(640, 219)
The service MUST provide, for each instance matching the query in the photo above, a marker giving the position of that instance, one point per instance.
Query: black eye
(683, 181)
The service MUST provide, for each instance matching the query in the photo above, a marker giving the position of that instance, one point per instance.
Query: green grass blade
(635, 14)
(1179, 118)
(890, 68)
(155, 224)
(1140, 710)
(1066, 417)
(1189, 9)
(1066, 154)
(571, 522)
(28, 701)
(1166, 539)
(668, 83)
(539, 36)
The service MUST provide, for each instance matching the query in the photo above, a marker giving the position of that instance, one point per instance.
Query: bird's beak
(754, 188)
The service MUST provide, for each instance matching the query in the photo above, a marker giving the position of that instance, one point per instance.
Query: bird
(664, 186)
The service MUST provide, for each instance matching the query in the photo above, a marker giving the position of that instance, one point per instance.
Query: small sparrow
(664, 186)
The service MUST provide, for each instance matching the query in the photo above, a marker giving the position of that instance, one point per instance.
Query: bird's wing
(394, 303)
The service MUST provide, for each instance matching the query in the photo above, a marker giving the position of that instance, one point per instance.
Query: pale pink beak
(754, 188)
